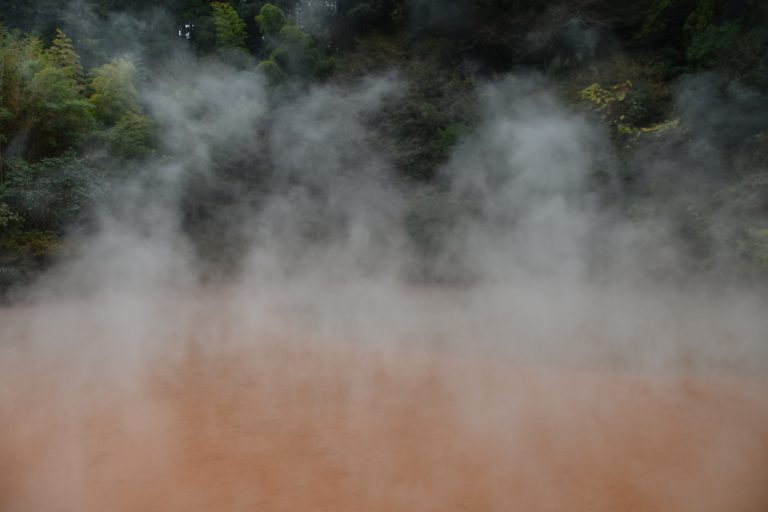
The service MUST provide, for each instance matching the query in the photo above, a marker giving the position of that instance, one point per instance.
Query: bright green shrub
(114, 93)
(230, 28)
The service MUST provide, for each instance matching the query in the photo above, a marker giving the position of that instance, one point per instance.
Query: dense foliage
(71, 112)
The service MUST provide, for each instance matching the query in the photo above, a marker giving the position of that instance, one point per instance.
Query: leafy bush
(271, 20)
(23, 254)
(293, 51)
(9, 218)
(133, 136)
(637, 101)
(114, 93)
(37, 203)
(48, 195)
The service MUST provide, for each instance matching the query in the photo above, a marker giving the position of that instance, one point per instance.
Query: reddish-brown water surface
(287, 426)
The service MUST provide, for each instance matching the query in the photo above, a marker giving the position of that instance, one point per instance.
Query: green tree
(37, 204)
(50, 194)
(56, 115)
(42, 111)
(271, 20)
(230, 28)
(134, 136)
(114, 93)
(292, 51)
(62, 53)
(296, 51)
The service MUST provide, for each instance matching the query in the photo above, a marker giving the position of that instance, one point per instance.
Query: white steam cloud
(131, 380)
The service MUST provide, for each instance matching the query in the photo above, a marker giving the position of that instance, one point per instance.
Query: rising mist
(267, 314)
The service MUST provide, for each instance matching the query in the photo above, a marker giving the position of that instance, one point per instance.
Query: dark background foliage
(69, 125)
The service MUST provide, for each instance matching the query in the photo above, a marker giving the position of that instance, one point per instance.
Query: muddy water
(285, 424)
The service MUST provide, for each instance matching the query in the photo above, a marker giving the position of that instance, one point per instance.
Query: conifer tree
(230, 28)
(63, 54)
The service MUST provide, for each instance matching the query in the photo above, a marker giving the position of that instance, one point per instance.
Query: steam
(526, 268)
(525, 170)
(143, 36)
(312, 16)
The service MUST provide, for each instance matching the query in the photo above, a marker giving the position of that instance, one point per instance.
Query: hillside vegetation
(681, 82)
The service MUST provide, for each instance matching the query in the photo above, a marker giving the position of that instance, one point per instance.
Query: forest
(680, 83)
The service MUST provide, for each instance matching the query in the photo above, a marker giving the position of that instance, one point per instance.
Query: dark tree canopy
(73, 81)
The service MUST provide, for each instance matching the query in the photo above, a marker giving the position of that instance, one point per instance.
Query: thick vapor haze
(537, 352)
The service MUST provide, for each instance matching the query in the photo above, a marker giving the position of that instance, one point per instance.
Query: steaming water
(337, 399)
(323, 376)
